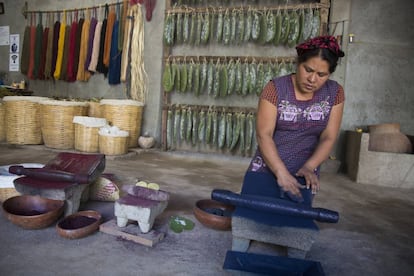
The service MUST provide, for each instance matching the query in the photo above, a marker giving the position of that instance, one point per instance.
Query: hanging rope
(68, 10)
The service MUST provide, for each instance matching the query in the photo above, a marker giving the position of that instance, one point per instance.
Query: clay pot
(213, 214)
(32, 212)
(79, 225)
(146, 142)
(388, 138)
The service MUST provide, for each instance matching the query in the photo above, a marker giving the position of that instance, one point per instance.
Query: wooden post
(165, 98)
(324, 17)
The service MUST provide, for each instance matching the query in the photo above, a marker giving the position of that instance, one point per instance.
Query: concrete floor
(374, 234)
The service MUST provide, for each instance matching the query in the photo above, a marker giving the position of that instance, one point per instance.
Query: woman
(298, 121)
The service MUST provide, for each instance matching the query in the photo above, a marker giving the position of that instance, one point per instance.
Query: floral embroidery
(288, 111)
(317, 111)
(257, 164)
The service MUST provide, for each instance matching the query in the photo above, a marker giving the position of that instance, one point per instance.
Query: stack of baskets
(57, 122)
(2, 123)
(113, 142)
(94, 109)
(22, 119)
(6, 193)
(125, 114)
(7, 189)
(65, 125)
(86, 132)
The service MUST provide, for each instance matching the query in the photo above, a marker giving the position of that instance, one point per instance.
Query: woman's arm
(265, 127)
(324, 148)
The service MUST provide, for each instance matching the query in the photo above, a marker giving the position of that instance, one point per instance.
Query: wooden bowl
(32, 212)
(213, 214)
(79, 225)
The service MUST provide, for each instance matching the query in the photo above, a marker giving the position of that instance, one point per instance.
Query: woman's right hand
(289, 184)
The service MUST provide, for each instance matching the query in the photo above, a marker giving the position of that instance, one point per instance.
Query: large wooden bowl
(79, 225)
(32, 212)
(213, 214)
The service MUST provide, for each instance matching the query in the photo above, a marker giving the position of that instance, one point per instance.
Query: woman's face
(311, 75)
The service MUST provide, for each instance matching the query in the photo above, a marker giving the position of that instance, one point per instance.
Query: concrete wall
(375, 72)
(379, 78)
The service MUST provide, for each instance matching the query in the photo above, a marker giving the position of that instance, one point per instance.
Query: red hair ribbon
(320, 42)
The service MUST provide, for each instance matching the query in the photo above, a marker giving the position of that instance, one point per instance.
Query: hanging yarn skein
(126, 45)
(149, 8)
(139, 76)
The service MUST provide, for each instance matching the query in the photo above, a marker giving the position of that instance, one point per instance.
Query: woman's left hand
(312, 180)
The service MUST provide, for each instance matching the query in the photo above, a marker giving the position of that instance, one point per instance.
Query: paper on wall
(4, 35)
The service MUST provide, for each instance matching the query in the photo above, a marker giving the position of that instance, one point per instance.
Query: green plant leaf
(175, 226)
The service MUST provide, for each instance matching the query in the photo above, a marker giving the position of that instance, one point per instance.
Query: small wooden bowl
(213, 214)
(32, 212)
(79, 225)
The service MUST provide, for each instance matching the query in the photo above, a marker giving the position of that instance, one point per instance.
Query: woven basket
(6, 193)
(86, 133)
(125, 114)
(58, 129)
(94, 109)
(7, 189)
(2, 123)
(22, 119)
(113, 145)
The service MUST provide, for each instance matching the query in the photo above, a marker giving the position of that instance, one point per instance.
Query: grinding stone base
(71, 195)
(297, 240)
(144, 216)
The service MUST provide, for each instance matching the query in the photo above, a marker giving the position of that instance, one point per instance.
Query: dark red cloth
(82, 168)
(71, 53)
(149, 8)
(32, 51)
(41, 73)
(75, 61)
(137, 201)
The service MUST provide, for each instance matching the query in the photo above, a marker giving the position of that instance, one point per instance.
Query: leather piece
(64, 170)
